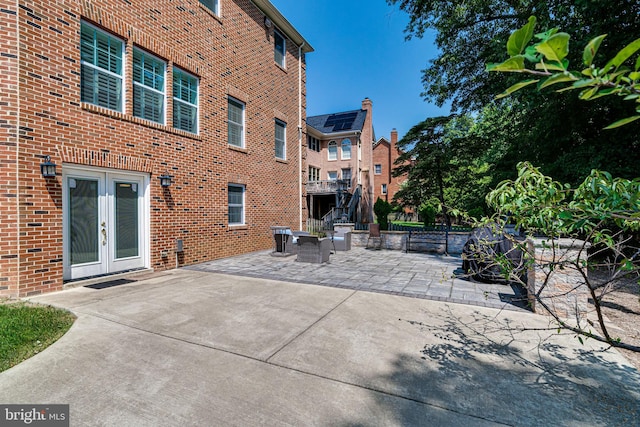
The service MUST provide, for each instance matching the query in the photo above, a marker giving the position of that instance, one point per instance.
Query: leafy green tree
(453, 159)
(557, 132)
(602, 213)
(550, 66)
(426, 151)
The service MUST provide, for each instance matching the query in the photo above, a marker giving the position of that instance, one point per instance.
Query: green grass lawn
(408, 224)
(27, 329)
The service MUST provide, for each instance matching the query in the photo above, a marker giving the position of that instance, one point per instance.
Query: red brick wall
(8, 147)
(366, 150)
(394, 182)
(385, 154)
(381, 157)
(232, 55)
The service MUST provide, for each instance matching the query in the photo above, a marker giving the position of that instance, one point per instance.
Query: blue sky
(360, 51)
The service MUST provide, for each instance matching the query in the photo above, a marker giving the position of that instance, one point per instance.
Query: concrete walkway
(410, 274)
(195, 348)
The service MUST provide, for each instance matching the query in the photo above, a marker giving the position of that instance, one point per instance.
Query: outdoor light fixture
(48, 168)
(267, 22)
(165, 180)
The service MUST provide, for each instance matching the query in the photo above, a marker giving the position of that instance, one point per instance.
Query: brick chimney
(393, 146)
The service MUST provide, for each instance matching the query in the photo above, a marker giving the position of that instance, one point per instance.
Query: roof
(380, 141)
(283, 24)
(347, 121)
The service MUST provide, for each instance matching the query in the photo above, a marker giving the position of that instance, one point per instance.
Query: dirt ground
(622, 308)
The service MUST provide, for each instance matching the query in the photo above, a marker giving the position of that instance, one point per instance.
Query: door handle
(104, 235)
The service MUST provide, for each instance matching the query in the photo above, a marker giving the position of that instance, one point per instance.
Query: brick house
(339, 159)
(385, 153)
(208, 94)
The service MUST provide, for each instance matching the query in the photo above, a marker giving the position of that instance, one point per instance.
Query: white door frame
(107, 262)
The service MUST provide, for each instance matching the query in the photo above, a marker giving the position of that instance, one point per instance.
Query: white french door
(105, 222)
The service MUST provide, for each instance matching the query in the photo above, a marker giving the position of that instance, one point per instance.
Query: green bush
(382, 209)
(428, 214)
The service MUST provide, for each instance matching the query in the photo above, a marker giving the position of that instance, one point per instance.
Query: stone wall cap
(562, 243)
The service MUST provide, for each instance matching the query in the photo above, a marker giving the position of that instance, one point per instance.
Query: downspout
(359, 168)
(300, 135)
(18, 195)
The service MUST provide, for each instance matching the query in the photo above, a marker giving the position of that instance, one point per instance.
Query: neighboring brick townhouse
(125, 96)
(339, 158)
(385, 154)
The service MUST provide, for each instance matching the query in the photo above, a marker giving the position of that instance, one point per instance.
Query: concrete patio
(186, 347)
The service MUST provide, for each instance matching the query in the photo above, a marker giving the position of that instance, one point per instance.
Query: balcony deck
(327, 187)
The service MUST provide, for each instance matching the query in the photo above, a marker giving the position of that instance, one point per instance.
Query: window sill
(211, 12)
(284, 69)
(285, 161)
(238, 149)
(238, 227)
(129, 118)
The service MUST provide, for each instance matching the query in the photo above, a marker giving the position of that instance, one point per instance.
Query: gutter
(315, 132)
(283, 24)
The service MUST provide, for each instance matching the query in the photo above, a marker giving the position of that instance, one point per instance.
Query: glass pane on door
(126, 219)
(83, 221)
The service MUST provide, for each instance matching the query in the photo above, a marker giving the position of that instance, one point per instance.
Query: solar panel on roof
(341, 121)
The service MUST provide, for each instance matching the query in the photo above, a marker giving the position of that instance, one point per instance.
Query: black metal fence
(417, 227)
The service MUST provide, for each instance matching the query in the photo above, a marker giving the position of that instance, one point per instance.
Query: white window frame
(349, 178)
(345, 154)
(377, 169)
(383, 189)
(314, 174)
(150, 88)
(231, 123)
(332, 151)
(123, 67)
(212, 5)
(235, 205)
(277, 34)
(332, 175)
(283, 141)
(180, 100)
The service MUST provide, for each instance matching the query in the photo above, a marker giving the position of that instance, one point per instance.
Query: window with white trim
(279, 48)
(281, 141)
(377, 169)
(212, 5)
(236, 122)
(148, 86)
(185, 101)
(346, 149)
(332, 175)
(101, 68)
(383, 190)
(314, 174)
(236, 204)
(332, 150)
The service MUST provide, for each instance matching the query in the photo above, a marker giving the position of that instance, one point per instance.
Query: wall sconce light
(48, 168)
(267, 22)
(165, 180)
